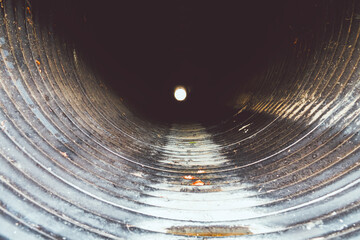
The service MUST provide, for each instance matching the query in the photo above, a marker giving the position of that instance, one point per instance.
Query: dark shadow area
(143, 49)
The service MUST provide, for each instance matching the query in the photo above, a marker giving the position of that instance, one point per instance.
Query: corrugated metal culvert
(94, 146)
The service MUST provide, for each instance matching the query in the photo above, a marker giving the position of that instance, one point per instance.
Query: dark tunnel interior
(93, 144)
(142, 50)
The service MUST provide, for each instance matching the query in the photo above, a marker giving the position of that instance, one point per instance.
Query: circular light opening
(180, 93)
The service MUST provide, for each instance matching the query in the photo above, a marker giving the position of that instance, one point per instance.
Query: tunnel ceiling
(94, 146)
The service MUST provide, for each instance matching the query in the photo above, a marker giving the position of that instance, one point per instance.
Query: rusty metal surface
(76, 163)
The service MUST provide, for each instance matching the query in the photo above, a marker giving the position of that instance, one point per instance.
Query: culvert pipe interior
(93, 144)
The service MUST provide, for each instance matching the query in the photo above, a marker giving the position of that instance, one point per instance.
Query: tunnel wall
(78, 163)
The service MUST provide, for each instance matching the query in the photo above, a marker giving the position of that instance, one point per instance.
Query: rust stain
(295, 41)
(189, 177)
(64, 154)
(203, 190)
(29, 21)
(3, 125)
(211, 231)
(198, 183)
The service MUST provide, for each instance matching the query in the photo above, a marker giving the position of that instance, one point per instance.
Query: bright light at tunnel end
(180, 93)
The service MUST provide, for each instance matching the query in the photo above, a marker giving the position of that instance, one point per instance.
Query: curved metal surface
(77, 164)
